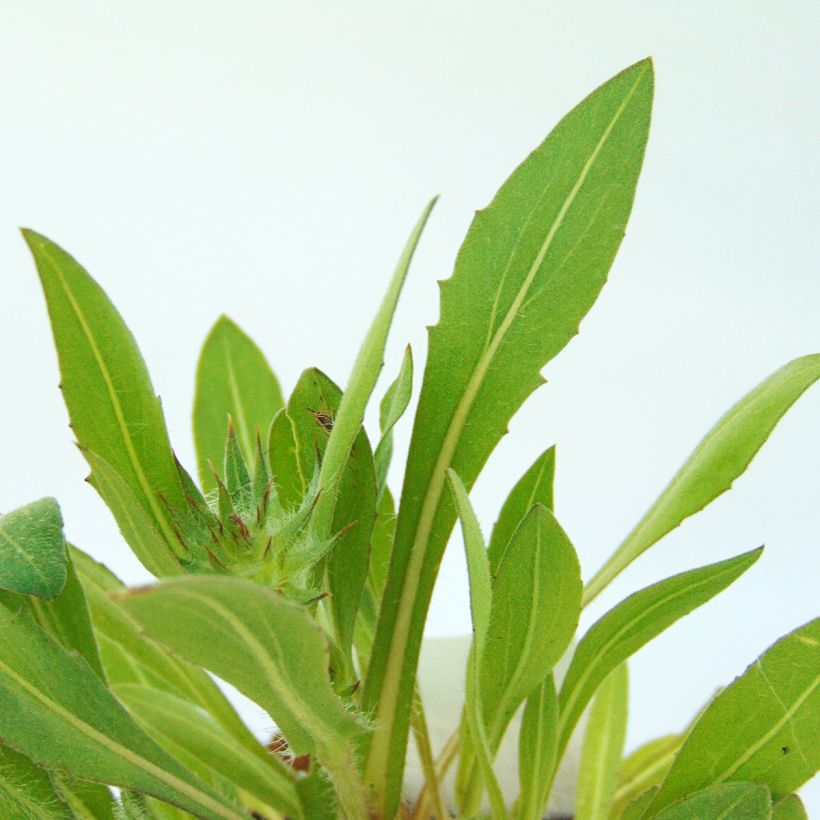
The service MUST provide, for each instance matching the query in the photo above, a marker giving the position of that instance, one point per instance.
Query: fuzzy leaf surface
(267, 647)
(530, 268)
(602, 747)
(721, 457)
(233, 378)
(633, 623)
(762, 728)
(26, 790)
(32, 550)
(56, 711)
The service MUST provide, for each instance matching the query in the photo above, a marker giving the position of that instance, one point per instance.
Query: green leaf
(478, 568)
(212, 750)
(234, 379)
(57, 712)
(381, 544)
(534, 487)
(284, 460)
(87, 801)
(762, 728)
(602, 747)
(633, 623)
(114, 411)
(26, 790)
(637, 808)
(720, 458)
(645, 767)
(789, 808)
(536, 606)
(391, 409)
(354, 518)
(267, 647)
(68, 620)
(129, 657)
(361, 383)
(530, 268)
(32, 550)
(537, 750)
(726, 801)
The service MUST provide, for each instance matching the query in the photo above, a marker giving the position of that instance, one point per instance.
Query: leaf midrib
(121, 751)
(4, 534)
(386, 709)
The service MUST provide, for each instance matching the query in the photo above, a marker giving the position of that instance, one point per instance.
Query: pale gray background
(268, 159)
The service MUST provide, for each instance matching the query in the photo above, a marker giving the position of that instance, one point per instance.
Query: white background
(268, 159)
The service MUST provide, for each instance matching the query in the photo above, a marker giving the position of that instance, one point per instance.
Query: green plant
(289, 571)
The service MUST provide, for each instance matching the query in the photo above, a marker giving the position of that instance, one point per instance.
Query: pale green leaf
(360, 385)
(257, 774)
(634, 622)
(234, 379)
(32, 550)
(602, 747)
(391, 409)
(645, 767)
(537, 750)
(266, 646)
(57, 712)
(284, 461)
(530, 268)
(762, 728)
(113, 409)
(478, 568)
(534, 487)
(720, 458)
(725, 801)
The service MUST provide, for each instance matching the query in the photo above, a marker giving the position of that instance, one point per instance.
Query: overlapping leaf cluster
(288, 570)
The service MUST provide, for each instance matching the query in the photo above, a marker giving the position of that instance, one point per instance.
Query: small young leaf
(478, 568)
(32, 550)
(391, 409)
(234, 379)
(534, 487)
(114, 411)
(92, 801)
(603, 747)
(284, 461)
(26, 790)
(57, 712)
(738, 801)
(537, 750)
(266, 646)
(536, 606)
(634, 622)
(720, 458)
(214, 752)
(645, 767)
(237, 475)
(789, 808)
(762, 728)
(530, 268)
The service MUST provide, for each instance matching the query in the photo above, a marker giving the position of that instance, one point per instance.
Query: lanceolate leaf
(645, 767)
(32, 550)
(26, 790)
(534, 487)
(363, 377)
(57, 712)
(537, 750)
(266, 646)
(530, 268)
(536, 606)
(391, 409)
(114, 411)
(214, 752)
(602, 747)
(762, 728)
(234, 379)
(129, 657)
(718, 460)
(478, 568)
(726, 801)
(634, 622)
(284, 461)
